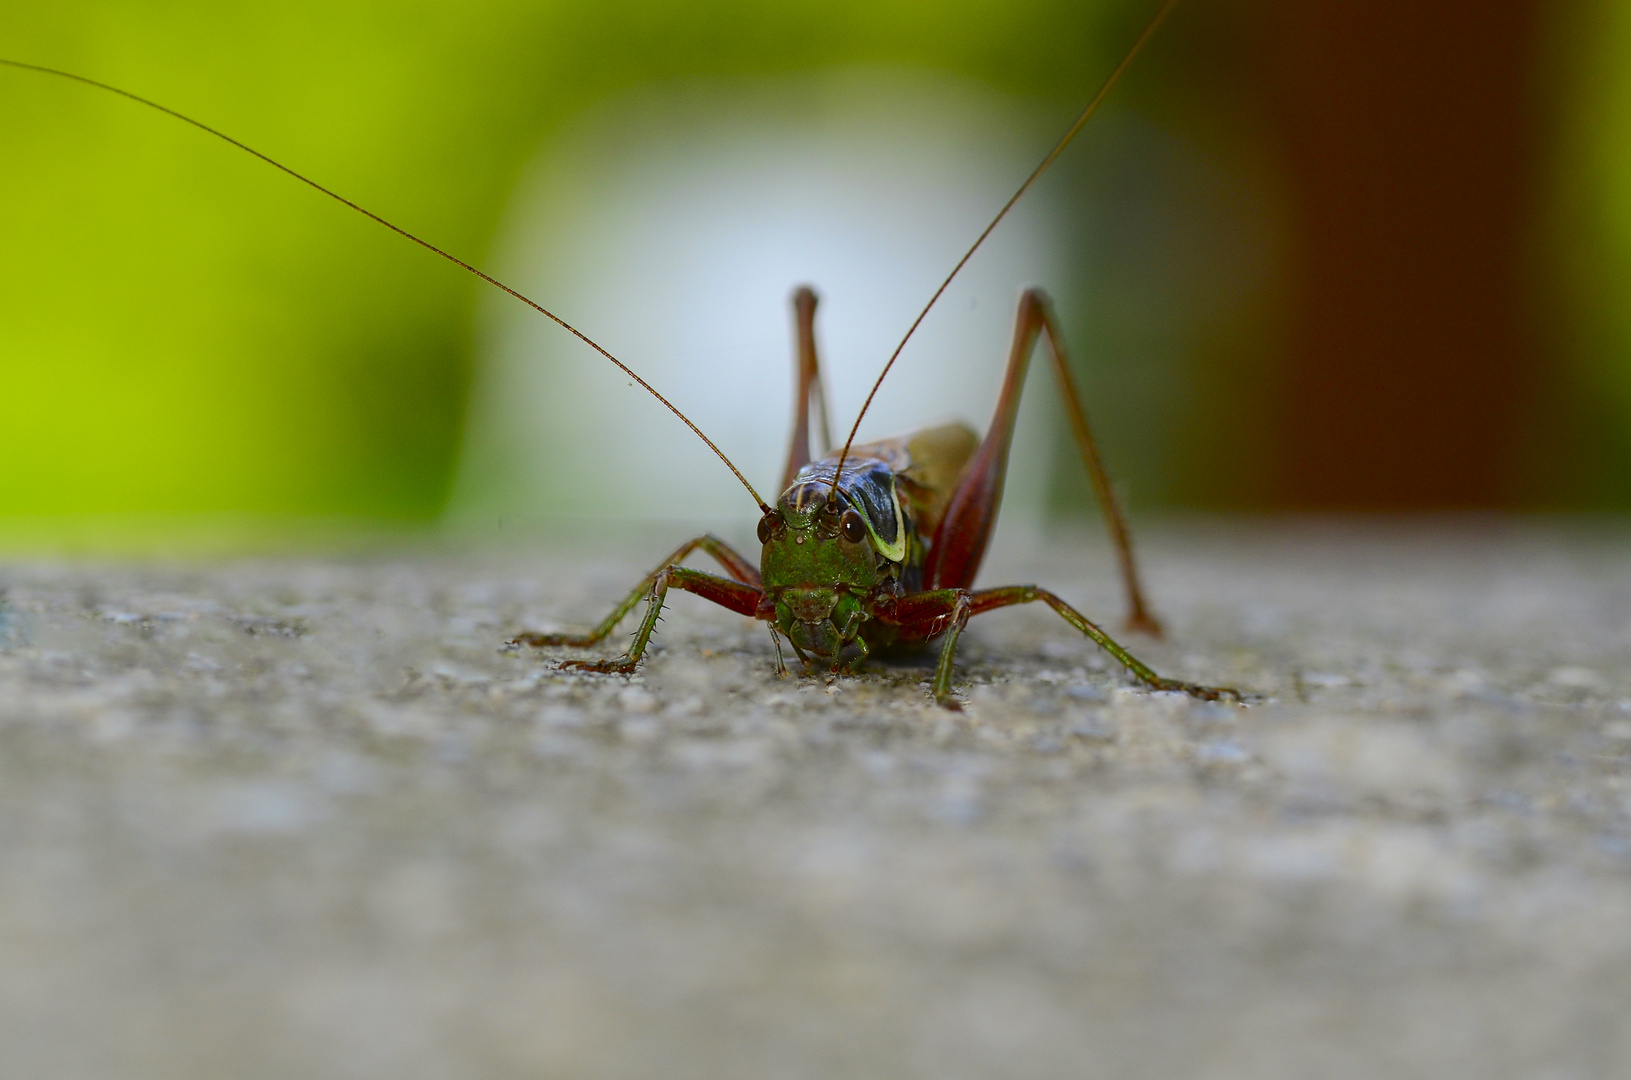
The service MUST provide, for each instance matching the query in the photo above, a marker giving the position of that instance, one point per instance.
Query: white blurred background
(672, 225)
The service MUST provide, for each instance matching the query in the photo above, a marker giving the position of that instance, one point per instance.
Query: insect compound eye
(853, 528)
(768, 527)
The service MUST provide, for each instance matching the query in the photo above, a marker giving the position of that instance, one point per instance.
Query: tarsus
(400, 231)
(1059, 148)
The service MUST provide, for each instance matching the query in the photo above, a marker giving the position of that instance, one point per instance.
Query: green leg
(947, 611)
(961, 612)
(860, 643)
(1023, 594)
(738, 568)
(739, 597)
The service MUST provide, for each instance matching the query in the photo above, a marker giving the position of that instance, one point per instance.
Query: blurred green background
(1376, 259)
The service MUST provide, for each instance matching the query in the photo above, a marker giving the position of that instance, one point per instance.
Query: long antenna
(1059, 148)
(400, 231)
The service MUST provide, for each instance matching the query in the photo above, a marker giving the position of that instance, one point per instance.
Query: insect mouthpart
(811, 606)
(820, 621)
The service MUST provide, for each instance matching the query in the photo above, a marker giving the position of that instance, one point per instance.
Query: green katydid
(875, 548)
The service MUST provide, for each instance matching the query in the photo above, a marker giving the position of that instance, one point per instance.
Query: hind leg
(808, 395)
(960, 541)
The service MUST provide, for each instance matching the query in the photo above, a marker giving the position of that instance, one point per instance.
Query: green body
(825, 584)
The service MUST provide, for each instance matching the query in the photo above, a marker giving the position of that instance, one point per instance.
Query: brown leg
(1139, 616)
(947, 611)
(806, 386)
(736, 566)
(960, 541)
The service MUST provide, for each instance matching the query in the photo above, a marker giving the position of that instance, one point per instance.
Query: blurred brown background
(1424, 348)
(1415, 136)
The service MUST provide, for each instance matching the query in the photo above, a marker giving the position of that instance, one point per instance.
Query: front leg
(851, 635)
(927, 615)
(740, 598)
(736, 566)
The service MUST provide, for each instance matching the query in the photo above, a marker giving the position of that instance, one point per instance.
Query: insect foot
(543, 640)
(1205, 693)
(621, 665)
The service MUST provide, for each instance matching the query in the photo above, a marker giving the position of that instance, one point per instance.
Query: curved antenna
(400, 231)
(1058, 148)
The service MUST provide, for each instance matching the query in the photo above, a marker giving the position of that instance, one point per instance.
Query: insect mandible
(874, 549)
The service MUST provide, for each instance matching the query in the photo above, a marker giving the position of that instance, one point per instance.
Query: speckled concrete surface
(305, 818)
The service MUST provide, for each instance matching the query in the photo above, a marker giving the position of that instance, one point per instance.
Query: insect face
(819, 567)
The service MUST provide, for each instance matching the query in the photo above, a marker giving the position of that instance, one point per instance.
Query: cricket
(872, 550)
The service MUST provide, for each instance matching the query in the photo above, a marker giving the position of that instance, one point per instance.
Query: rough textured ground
(304, 818)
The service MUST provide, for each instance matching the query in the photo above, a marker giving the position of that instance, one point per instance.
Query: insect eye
(769, 526)
(852, 527)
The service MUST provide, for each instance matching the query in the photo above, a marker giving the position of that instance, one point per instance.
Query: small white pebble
(635, 700)
(691, 706)
(1221, 752)
(1582, 678)
(558, 715)
(262, 807)
(638, 729)
(1094, 728)
(1061, 650)
(1462, 682)
(111, 726)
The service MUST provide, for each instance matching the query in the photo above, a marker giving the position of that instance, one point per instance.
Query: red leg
(947, 611)
(736, 566)
(806, 386)
(960, 542)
